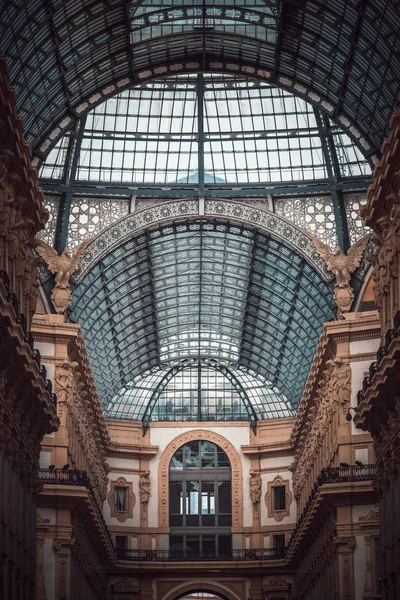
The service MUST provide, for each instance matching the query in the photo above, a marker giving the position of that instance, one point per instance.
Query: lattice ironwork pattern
(52, 204)
(353, 203)
(314, 214)
(90, 216)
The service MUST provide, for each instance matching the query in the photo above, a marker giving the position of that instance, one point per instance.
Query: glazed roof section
(65, 56)
(202, 289)
(246, 132)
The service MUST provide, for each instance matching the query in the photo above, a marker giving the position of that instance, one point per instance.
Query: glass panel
(208, 544)
(192, 498)
(175, 498)
(208, 455)
(121, 541)
(279, 541)
(223, 460)
(254, 133)
(224, 497)
(192, 503)
(224, 545)
(280, 497)
(177, 460)
(191, 455)
(120, 499)
(193, 545)
(176, 543)
(207, 498)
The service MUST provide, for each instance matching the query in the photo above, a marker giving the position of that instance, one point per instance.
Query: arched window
(200, 501)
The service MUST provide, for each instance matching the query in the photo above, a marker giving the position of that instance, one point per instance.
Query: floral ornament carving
(371, 517)
(130, 500)
(386, 262)
(339, 386)
(277, 582)
(41, 520)
(334, 390)
(126, 584)
(349, 541)
(63, 543)
(255, 487)
(278, 515)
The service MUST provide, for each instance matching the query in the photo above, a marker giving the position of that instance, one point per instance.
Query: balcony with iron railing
(334, 475)
(74, 477)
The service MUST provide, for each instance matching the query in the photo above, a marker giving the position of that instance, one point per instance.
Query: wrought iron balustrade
(256, 554)
(74, 477)
(351, 473)
(348, 474)
(64, 477)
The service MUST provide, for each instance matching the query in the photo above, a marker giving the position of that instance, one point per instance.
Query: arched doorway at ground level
(200, 596)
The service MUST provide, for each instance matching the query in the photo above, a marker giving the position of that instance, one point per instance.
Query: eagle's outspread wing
(324, 251)
(48, 254)
(355, 253)
(76, 255)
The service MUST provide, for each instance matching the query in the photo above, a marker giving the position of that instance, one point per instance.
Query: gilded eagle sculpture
(342, 266)
(62, 265)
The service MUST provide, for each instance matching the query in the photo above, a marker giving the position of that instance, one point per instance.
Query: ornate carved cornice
(355, 327)
(262, 450)
(383, 175)
(371, 517)
(349, 541)
(122, 450)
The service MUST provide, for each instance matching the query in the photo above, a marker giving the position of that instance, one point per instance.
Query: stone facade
(27, 404)
(329, 523)
(378, 401)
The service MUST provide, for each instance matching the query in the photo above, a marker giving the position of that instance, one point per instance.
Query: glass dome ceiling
(209, 292)
(199, 391)
(202, 136)
(232, 130)
(205, 289)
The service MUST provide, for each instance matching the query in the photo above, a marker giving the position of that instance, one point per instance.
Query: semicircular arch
(264, 220)
(298, 84)
(236, 469)
(209, 587)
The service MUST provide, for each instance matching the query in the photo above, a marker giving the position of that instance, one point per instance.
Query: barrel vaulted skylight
(236, 130)
(231, 299)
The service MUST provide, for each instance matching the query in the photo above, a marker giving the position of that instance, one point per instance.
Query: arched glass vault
(199, 390)
(204, 136)
(202, 290)
(65, 57)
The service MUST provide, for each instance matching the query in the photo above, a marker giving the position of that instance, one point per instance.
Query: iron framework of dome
(276, 104)
(207, 136)
(66, 56)
(230, 297)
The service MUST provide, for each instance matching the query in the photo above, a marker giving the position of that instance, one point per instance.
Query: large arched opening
(200, 501)
(215, 589)
(200, 596)
(235, 467)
